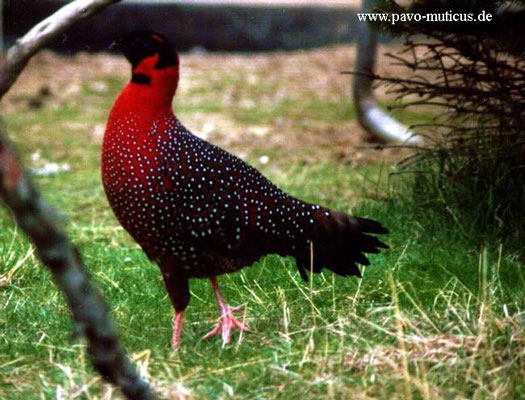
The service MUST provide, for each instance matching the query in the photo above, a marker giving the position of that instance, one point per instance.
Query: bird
(197, 210)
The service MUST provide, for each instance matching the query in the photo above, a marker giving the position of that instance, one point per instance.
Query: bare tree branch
(39, 221)
(91, 314)
(378, 123)
(21, 52)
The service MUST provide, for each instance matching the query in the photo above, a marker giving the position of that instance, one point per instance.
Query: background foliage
(473, 76)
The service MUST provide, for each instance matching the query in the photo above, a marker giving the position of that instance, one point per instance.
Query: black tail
(338, 243)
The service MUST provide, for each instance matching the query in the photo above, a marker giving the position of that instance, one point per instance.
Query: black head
(138, 45)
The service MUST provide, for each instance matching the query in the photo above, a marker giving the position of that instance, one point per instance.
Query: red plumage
(199, 211)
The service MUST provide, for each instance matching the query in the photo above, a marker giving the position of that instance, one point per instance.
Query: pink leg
(227, 320)
(177, 327)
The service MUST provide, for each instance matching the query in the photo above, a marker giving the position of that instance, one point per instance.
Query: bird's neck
(150, 92)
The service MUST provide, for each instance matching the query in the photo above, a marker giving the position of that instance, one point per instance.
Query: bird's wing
(221, 199)
(230, 207)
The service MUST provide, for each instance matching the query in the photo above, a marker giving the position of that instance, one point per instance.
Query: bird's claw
(226, 322)
(237, 308)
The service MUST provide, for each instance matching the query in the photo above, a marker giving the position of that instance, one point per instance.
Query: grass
(438, 316)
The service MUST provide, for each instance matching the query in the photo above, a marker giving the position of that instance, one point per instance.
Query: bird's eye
(157, 38)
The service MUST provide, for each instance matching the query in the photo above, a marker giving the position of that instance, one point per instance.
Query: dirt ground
(266, 79)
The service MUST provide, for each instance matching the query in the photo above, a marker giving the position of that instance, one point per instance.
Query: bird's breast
(134, 155)
(135, 171)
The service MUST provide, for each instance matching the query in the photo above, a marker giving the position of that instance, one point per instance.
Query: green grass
(439, 315)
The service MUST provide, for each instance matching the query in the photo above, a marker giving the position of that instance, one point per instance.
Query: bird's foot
(226, 323)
